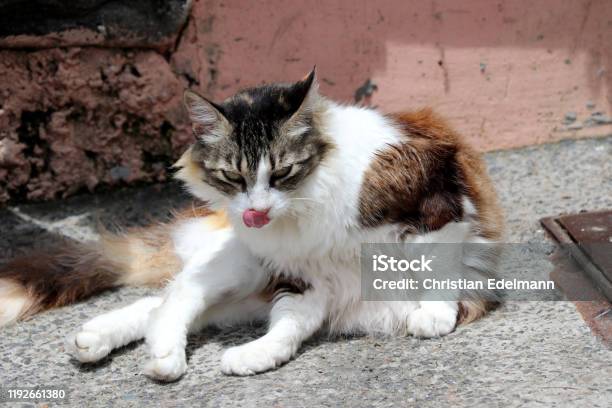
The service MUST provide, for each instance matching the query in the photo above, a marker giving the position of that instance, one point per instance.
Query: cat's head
(256, 150)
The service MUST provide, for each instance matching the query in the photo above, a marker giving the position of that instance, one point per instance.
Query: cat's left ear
(307, 91)
(305, 94)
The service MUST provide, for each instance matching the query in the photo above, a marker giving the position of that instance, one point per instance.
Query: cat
(294, 184)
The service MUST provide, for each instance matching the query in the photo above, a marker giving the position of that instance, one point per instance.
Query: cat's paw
(167, 366)
(432, 322)
(255, 357)
(88, 346)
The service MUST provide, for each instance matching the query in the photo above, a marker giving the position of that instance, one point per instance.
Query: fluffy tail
(73, 271)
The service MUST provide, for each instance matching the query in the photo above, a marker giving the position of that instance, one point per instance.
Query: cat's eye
(281, 173)
(233, 177)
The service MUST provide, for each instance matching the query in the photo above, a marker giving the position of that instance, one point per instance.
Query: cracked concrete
(535, 354)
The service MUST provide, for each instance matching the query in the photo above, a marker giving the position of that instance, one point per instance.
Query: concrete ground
(523, 354)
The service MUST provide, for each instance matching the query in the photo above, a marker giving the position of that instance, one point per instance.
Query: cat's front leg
(293, 319)
(100, 335)
(166, 335)
(224, 272)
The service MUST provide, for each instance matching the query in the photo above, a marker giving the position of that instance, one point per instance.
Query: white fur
(314, 234)
(100, 335)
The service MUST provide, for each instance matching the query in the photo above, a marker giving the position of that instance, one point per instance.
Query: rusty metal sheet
(588, 238)
(593, 233)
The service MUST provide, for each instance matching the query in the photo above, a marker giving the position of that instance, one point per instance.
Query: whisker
(305, 199)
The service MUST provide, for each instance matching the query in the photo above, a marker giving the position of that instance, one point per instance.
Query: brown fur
(188, 170)
(473, 177)
(59, 276)
(145, 256)
(420, 183)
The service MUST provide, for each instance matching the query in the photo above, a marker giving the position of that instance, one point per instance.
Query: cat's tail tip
(474, 309)
(15, 302)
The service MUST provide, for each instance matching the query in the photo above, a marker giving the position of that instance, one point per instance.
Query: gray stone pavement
(537, 354)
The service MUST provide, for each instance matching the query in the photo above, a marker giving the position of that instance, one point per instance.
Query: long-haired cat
(294, 184)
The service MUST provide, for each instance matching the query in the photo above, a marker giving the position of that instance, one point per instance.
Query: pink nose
(255, 219)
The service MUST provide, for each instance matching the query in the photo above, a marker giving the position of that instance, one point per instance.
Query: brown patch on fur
(409, 184)
(145, 256)
(420, 182)
(214, 220)
(217, 220)
(193, 212)
(281, 285)
(470, 310)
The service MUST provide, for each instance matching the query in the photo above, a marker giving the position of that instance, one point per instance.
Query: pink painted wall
(505, 72)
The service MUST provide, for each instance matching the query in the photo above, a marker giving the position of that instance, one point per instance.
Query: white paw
(168, 366)
(255, 357)
(432, 322)
(88, 346)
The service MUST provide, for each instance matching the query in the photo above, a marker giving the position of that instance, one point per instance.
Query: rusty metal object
(588, 237)
(593, 232)
(588, 270)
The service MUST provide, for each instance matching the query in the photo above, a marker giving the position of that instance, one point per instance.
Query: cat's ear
(207, 119)
(306, 91)
(305, 95)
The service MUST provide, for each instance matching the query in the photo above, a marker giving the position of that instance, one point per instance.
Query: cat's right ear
(208, 121)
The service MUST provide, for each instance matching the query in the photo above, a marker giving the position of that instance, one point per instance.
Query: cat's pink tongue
(255, 219)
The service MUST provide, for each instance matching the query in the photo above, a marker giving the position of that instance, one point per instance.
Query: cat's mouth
(255, 218)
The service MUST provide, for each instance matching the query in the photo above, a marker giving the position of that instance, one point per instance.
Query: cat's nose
(253, 218)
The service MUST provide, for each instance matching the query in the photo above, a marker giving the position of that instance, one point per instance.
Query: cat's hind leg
(100, 335)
